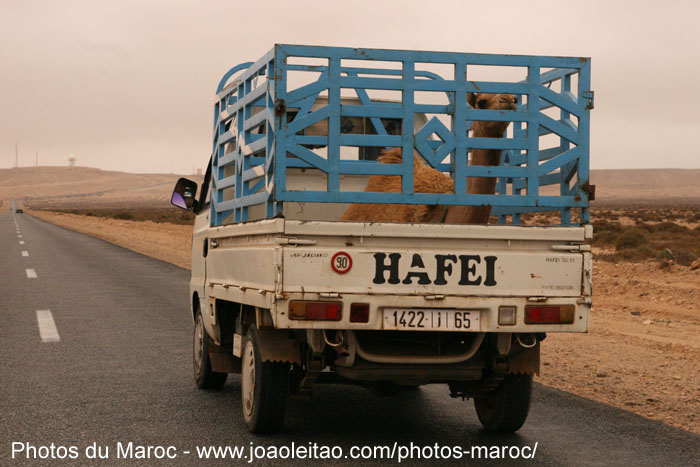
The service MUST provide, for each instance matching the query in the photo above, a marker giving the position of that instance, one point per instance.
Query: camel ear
(471, 100)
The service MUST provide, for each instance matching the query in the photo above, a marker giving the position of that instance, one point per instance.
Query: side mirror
(183, 195)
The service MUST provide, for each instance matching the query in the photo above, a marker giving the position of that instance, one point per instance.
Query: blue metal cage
(264, 113)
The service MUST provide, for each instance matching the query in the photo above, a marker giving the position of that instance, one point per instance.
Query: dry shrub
(685, 257)
(170, 215)
(670, 227)
(631, 237)
(653, 237)
(604, 232)
(631, 255)
(645, 226)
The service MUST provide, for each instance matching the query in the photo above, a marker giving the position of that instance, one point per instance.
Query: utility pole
(36, 160)
(16, 156)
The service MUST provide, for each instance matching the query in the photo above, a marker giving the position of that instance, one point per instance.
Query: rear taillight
(549, 314)
(320, 311)
(359, 313)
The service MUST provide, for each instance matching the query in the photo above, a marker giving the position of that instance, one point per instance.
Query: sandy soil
(642, 352)
(164, 241)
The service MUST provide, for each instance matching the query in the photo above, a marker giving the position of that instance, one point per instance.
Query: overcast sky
(128, 85)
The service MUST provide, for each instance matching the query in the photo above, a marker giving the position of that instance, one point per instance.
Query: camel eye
(481, 104)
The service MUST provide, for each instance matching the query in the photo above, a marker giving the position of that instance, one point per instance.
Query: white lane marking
(31, 274)
(19, 236)
(21, 242)
(25, 253)
(47, 326)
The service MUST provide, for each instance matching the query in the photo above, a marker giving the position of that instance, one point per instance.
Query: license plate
(404, 319)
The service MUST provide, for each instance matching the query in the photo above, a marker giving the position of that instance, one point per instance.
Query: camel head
(491, 102)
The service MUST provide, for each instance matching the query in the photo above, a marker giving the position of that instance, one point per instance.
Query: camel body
(428, 180)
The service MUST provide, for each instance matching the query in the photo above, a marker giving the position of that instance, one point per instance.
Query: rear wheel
(203, 375)
(505, 409)
(264, 387)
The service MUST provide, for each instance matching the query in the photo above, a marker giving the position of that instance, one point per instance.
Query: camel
(428, 180)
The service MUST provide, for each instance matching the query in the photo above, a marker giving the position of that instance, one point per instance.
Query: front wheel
(264, 387)
(203, 374)
(505, 408)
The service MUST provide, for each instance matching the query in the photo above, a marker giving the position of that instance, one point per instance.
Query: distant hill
(647, 185)
(80, 186)
(77, 186)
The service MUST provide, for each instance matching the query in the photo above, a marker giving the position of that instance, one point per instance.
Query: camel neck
(477, 185)
(485, 156)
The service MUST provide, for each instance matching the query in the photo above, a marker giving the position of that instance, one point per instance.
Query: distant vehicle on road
(19, 211)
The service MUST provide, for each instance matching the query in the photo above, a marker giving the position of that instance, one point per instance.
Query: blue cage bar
(263, 118)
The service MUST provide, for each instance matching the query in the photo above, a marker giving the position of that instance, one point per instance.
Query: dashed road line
(21, 242)
(31, 274)
(47, 326)
(25, 253)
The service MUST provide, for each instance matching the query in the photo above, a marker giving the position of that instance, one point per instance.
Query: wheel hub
(248, 378)
(198, 342)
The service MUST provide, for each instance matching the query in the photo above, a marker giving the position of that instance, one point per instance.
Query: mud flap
(276, 346)
(525, 361)
(222, 360)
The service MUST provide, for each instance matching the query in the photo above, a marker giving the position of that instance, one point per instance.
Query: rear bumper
(487, 307)
(412, 374)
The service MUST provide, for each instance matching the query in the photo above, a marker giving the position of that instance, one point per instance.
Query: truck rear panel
(473, 269)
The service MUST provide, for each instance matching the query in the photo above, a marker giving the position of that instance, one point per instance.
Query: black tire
(204, 377)
(505, 409)
(264, 387)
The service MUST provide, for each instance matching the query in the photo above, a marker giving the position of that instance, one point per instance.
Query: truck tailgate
(434, 259)
(459, 271)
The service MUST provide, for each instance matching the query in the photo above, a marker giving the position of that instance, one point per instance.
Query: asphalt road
(117, 369)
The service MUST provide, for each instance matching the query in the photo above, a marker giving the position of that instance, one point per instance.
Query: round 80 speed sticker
(341, 262)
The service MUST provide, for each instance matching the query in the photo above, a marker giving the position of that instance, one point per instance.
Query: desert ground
(642, 351)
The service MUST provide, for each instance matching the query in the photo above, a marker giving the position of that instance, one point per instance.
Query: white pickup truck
(287, 295)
